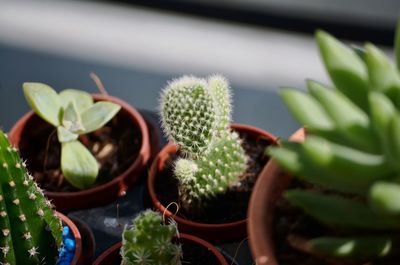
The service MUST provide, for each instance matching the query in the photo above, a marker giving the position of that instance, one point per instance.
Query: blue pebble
(67, 250)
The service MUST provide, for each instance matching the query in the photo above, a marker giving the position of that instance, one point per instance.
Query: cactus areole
(30, 232)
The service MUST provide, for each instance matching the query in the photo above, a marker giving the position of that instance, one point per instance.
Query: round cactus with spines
(196, 115)
(30, 232)
(352, 150)
(149, 242)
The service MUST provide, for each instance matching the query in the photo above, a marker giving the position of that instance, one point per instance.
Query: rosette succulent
(351, 152)
(72, 112)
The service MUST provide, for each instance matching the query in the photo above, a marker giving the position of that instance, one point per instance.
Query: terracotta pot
(104, 193)
(269, 187)
(213, 232)
(79, 257)
(112, 257)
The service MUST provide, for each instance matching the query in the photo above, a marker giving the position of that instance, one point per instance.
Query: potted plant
(31, 231)
(85, 150)
(208, 169)
(343, 205)
(149, 241)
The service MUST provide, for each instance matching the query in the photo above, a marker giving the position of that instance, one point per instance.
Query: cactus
(352, 149)
(73, 113)
(196, 115)
(149, 242)
(30, 232)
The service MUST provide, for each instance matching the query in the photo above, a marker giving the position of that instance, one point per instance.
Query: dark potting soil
(228, 207)
(115, 146)
(194, 254)
(290, 220)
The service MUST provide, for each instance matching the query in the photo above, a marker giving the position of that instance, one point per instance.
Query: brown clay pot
(104, 193)
(112, 257)
(79, 257)
(269, 187)
(216, 233)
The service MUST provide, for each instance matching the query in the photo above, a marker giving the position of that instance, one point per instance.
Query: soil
(115, 146)
(194, 254)
(290, 220)
(228, 207)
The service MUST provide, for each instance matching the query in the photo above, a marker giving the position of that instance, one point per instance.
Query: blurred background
(135, 47)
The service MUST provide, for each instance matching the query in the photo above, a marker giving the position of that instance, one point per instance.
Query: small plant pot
(112, 257)
(31, 130)
(267, 191)
(79, 257)
(213, 232)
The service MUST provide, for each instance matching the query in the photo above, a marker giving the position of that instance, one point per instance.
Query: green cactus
(352, 148)
(149, 242)
(73, 113)
(30, 232)
(196, 115)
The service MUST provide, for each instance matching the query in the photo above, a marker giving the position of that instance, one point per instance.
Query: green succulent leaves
(73, 113)
(352, 151)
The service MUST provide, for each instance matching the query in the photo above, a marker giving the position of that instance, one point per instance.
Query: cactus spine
(196, 115)
(149, 242)
(353, 149)
(30, 232)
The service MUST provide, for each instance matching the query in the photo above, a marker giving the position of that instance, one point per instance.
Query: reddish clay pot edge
(78, 256)
(67, 201)
(212, 232)
(269, 187)
(111, 255)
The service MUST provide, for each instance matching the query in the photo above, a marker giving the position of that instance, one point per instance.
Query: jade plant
(150, 242)
(196, 115)
(351, 152)
(30, 233)
(72, 112)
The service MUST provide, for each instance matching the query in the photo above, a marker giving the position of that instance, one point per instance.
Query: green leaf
(352, 122)
(98, 115)
(383, 75)
(397, 44)
(356, 248)
(384, 197)
(78, 165)
(339, 212)
(393, 137)
(65, 135)
(82, 99)
(345, 68)
(306, 109)
(71, 119)
(44, 101)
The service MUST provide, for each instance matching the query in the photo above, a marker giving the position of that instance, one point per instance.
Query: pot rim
(261, 208)
(195, 239)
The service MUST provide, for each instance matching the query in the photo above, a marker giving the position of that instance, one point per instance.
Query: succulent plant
(73, 113)
(196, 115)
(351, 152)
(149, 242)
(30, 231)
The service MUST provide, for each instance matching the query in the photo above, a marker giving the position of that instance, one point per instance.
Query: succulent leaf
(44, 101)
(78, 165)
(340, 212)
(358, 248)
(345, 68)
(64, 135)
(384, 197)
(149, 241)
(71, 119)
(82, 99)
(98, 115)
(313, 115)
(30, 231)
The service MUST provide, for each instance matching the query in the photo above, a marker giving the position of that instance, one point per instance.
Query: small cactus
(30, 232)
(196, 115)
(149, 242)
